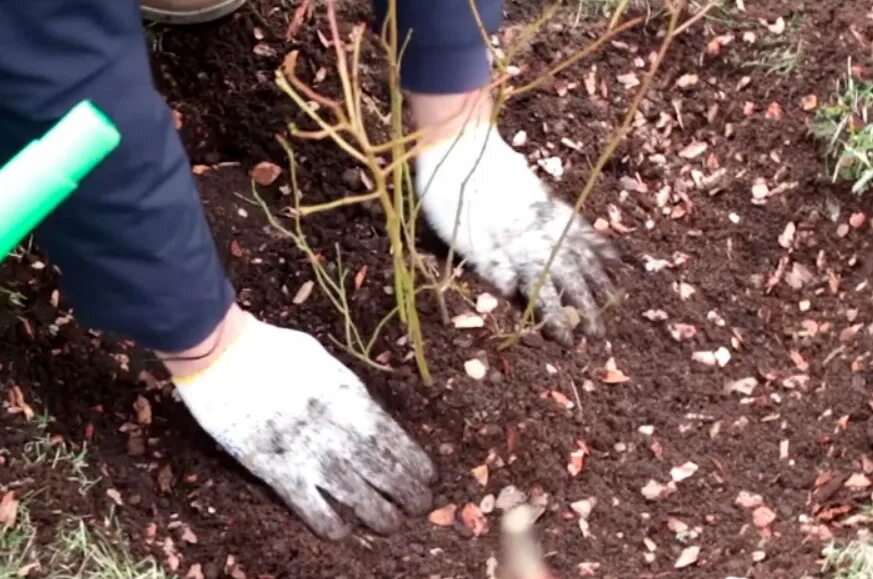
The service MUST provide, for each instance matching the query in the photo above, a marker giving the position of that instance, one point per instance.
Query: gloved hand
(509, 224)
(302, 422)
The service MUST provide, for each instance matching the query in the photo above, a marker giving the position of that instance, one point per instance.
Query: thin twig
(341, 202)
(691, 21)
(594, 176)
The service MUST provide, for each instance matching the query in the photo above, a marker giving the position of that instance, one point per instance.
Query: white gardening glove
(303, 423)
(509, 224)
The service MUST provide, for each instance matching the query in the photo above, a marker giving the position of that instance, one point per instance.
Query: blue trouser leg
(132, 243)
(446, 52)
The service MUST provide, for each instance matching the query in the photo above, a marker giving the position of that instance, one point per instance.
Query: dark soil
(172, 472)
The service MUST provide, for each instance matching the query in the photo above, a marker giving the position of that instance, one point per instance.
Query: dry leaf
(655, 315)
(799, 360)
(561, 399)
(684, 290)
(235, 249)
(554, 166)
(475, 369)
(796, 381)
(360, 277)
(682, 472)
(188, 536)
(303, 293)
(584, 507)
(195, 572)
(831, 513)
(165, 479)
(688, 557)
(654, 490)
(786, 238)
(24, 570)
(115, 496)
(677, 525)
(468, 321)
(177, 119)
(798, 276)
(848, 334)
(601, 225)
(749, 500)
(264, 49)
(474, 520)
(763, 517)
(694, 150)
(266, 173)
(297, 19)
(744, 386)
(18, 405)
(778, 27)
(629, 80)
(443, 516)
(760, 190)
(143, 410)
(722, 356)
(519, 139)
(681, 332)
(8, 509)
(857, 219)
(687, 80)
(773, 112)
(704, 357)
(486, 303)
(577, 458)
(610, 374)
(480, 473)
(857, 482)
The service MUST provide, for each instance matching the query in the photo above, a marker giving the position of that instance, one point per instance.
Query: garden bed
(789, 417)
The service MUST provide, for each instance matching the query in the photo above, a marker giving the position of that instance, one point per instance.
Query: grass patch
(853, 561)
(844, 125)
(17, 545)
(604, 9)
(38, 535)
(781, 54)
(779, 57)
(55, 453)
(75, 551)
(590, 9)
(13, 298)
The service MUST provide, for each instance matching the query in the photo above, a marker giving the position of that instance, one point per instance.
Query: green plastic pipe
(45, 172)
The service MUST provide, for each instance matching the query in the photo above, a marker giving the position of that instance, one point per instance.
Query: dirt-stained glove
(304, 423)
(508, 226)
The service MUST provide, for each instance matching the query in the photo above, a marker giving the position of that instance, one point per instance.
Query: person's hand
(508, 225)
(303, 423)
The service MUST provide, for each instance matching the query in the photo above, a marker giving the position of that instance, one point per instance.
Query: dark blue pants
(133, 246)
